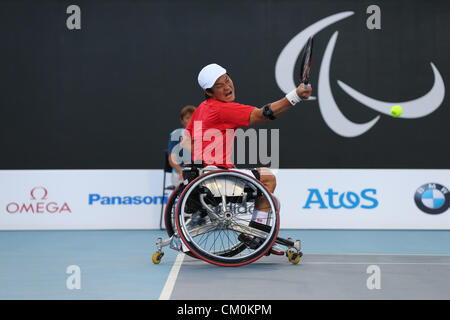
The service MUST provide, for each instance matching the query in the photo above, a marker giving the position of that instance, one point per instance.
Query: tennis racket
(306, 62)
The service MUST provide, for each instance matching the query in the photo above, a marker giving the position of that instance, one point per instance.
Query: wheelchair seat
(192, 171)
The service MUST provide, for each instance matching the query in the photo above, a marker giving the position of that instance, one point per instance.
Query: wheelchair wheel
(169, 220)
(169, 212)
(227, 236)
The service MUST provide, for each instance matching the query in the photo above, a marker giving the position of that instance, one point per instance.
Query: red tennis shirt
(212, 130)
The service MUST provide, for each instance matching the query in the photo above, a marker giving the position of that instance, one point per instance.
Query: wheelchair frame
(181, 237)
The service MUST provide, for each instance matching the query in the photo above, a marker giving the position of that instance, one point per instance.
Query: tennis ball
(396, 111)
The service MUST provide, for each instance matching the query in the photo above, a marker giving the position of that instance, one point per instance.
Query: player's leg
(268, 179)
(262, 206)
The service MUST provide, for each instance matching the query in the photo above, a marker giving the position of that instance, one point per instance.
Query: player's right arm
(279, 107)
(174, 164)
(186, 143)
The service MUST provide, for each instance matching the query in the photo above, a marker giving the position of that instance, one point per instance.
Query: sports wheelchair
(209, 217)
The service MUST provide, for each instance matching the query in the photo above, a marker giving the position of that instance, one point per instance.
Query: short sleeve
(174, 139)
(236, 115)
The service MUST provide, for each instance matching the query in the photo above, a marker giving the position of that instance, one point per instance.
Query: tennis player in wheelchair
(220, 214)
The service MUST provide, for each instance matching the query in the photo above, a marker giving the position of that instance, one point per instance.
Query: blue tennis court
(118, 265)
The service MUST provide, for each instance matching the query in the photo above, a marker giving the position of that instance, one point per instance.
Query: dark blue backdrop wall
(106, 96)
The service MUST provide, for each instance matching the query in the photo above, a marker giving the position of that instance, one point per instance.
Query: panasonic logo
(95, 198)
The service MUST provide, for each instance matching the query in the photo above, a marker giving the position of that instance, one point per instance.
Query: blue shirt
(174, 141)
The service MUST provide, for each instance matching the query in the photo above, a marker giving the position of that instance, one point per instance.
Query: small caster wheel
(157, 256)
(293, 257)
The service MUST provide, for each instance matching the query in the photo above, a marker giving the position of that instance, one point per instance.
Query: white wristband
(293, 97)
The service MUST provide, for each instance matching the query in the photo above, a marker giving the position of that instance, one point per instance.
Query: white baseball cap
(209, 75)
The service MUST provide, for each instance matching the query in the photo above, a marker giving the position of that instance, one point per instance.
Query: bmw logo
(432, 198)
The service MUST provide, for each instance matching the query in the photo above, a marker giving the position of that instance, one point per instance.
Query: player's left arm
(278, 107)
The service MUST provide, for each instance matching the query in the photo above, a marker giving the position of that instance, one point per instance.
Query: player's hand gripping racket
(306, 62)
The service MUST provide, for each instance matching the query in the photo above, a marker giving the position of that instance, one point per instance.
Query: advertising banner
(80, 199)
(364, 199)
(310, 199)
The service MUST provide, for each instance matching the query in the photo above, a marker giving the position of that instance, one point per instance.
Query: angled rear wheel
(223, 232)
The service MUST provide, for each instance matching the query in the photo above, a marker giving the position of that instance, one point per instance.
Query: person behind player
(175, 155)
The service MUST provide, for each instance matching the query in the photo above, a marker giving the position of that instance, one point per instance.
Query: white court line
(170, 282)
(380, 254)
(377, 262)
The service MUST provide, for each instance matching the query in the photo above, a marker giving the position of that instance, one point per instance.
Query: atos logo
(38, 204)
(335, 200)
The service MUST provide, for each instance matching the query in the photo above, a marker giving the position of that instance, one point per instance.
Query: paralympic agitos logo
(334, 118)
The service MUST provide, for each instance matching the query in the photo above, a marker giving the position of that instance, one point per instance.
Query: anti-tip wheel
(157, 256)
(293, 257)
